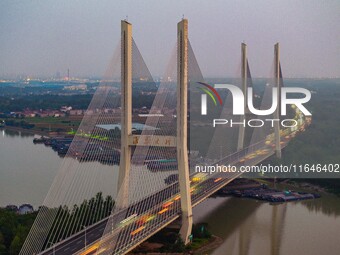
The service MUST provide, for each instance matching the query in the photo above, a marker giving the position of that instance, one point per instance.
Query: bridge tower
(181, 142)
(277, 112)
(244, 74)
(182, 124)
(126, 114)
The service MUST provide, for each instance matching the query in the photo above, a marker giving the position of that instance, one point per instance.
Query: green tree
(2, 240)
(16, 245)
(3, 249)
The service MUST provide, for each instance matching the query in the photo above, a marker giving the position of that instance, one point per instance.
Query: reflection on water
(14, 133)
(330, 205)
(26, 170)
(253, 227)
(219, 209)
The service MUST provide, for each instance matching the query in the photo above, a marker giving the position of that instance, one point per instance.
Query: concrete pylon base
(186, 228)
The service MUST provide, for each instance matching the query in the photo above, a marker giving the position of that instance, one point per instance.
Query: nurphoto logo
(240, 103)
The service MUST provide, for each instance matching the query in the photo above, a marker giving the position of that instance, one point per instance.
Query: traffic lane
(68, 246)
(93, 233)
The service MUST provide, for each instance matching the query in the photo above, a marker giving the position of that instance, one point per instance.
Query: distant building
(25, 208)
(50, 113)
(66, 108)
(76, 87)
(59, 114)
(29, 114)
(76, 112)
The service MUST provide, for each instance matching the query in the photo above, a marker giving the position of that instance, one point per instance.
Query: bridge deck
(98, 240)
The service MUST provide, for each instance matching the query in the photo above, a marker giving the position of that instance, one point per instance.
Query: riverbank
(307, 186)
(210, 245)
(33, 131)
(303, 186)
(44, 125)
(213, 243)
(265, 193)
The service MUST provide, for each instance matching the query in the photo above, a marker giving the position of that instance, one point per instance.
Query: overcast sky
(42, 37)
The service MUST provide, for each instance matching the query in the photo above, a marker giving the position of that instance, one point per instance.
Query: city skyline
(42, 38)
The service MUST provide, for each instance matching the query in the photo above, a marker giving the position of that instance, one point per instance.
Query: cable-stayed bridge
(129, 173)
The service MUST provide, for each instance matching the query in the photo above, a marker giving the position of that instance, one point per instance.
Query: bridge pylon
(128, 139)
(277, 112)
(182, 131)
(244, 75)
(126, 115)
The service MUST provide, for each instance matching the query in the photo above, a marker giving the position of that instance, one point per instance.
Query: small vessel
(39, 139)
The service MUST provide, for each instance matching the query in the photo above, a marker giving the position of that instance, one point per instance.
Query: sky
(42, 37)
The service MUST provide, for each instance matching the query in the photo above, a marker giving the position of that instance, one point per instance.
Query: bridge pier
(182, 124)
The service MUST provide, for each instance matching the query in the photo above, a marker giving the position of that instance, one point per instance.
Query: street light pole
(85, 236)
(53, 245)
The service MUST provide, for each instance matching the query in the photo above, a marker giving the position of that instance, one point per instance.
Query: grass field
(61, 124)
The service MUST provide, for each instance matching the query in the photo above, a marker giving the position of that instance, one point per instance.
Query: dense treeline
(17, 98)
(70, 221)
(14, 90)
(55, 102)
(37, 102)
(14, 228)
(21, 123)
(331, 185)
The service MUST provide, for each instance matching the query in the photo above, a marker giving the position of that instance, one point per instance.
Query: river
(245, 226)
(26, 169)
(252, 227)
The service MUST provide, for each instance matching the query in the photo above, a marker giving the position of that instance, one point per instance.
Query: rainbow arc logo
(213, 90)
(213, 94)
